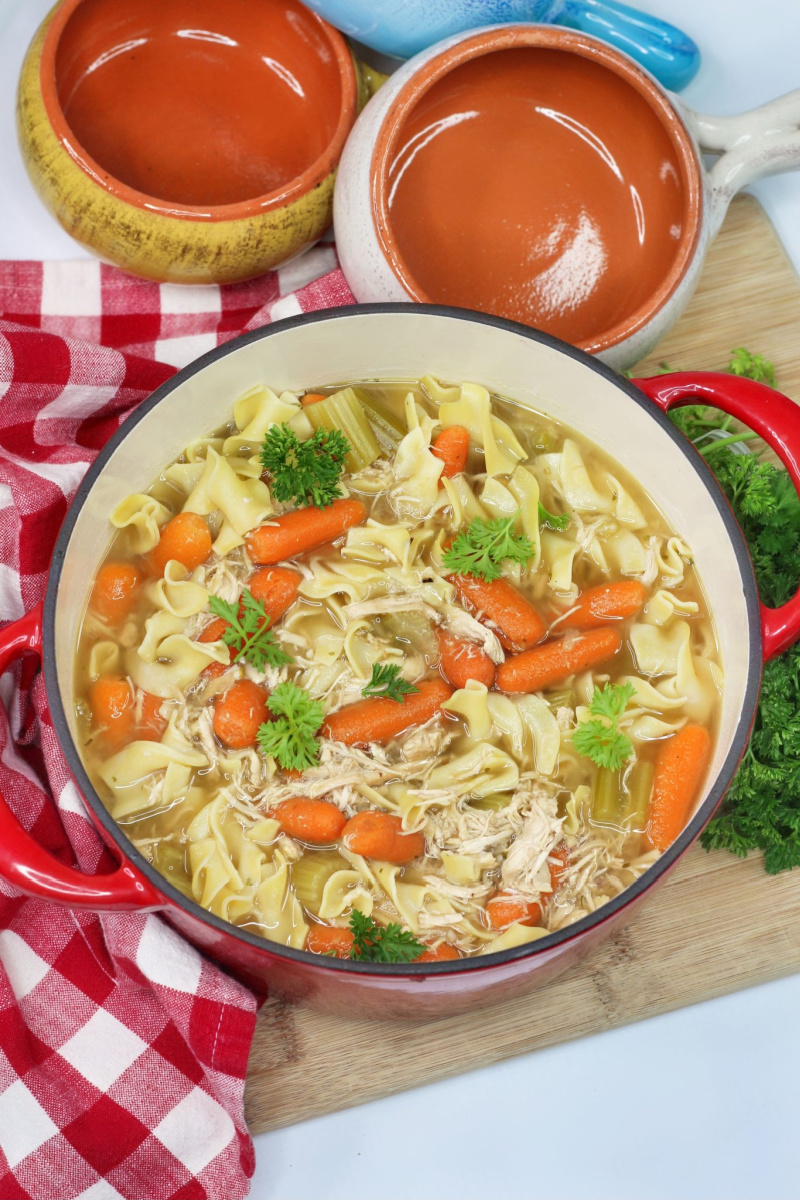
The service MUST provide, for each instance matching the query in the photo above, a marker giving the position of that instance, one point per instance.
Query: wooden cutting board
(717, 925)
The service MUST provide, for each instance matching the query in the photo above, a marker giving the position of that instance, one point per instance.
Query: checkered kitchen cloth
(122, 1051)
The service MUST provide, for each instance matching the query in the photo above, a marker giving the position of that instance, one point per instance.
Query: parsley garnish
(249, 634)
(552, 522)
(387, 681)
(483, 547)
(601, 739)
(306, 472)
(752, 366)
(291, 738)
(382, 943)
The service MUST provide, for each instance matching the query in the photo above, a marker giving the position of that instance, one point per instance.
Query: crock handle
(665, 51)
(27, 865)
(776, 419)
(750, 145)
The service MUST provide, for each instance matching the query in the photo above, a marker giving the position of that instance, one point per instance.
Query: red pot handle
(772, 415)
(27, 865)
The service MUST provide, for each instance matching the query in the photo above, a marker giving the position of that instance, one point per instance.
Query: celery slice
(382, 418)
(605, 801)
(343, 411)
(494, 802)
(634, 816)
(310, 874)
(170, 859)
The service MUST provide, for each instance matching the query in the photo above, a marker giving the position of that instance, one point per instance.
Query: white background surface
(698, 1105)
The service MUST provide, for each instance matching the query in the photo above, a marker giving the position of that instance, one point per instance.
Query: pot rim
(116, 834)
(54, 25)
(469, 46)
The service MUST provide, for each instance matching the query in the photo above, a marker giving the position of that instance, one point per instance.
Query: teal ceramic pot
(401, 28)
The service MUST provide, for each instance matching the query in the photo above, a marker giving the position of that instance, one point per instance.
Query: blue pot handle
(665, 51)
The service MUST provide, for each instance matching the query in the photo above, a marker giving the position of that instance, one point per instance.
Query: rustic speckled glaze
(477, 177)
(148, 131)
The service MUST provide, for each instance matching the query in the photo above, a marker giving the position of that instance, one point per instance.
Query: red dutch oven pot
(627, 419)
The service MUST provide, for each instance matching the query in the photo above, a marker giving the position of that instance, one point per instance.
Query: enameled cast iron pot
(383, 342)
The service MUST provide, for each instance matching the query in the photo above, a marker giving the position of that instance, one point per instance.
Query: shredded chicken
(525, 868)
(427, 741)
(402, 602)
(225, 577)
(463, 625)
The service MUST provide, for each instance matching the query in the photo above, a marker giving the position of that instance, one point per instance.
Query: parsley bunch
(761, 810)
(483, 547)
(306, 472)
(249, 633)
(387, 681)
(291, 738)
(601, 739)
(382, 943)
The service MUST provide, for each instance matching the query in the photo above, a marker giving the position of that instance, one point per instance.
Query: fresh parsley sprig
(387, 681)
(249, 633)
(382, 943)
(291, 738)
(752, 366)
(601, 739)
(306, 472)
(483, 547)
(550, 521)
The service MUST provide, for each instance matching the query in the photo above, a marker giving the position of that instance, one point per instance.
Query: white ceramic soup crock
(404, 342)
(595, 212)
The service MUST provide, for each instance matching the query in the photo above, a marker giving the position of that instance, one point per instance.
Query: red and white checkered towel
(122, 1051)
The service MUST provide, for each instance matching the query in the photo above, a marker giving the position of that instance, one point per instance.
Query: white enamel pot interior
(751, 145)
(404, 342)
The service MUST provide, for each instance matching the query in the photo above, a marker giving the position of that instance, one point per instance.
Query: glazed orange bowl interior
(541, 177)
(196, 103)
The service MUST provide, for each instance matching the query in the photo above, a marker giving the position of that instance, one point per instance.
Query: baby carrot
(330, 940)
(151, 724)
(115, 591)
(379, 719)
(213, 633)
(518, 624)
(452, 447)
(186, 538)
(238, 713)
(606, 602)
(679, 769)
(311, 398)
(503, 908)
(380, 835)
(276, 588)
(303, 529)
(444, 952)
(557, 660)
(460, 660)
(316, 821)
(558, 863)
(114, 711)
(111, 701)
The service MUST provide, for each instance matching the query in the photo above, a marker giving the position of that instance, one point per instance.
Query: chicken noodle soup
(397, 671)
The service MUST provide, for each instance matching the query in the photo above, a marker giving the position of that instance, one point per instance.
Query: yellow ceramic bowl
(186, 140)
